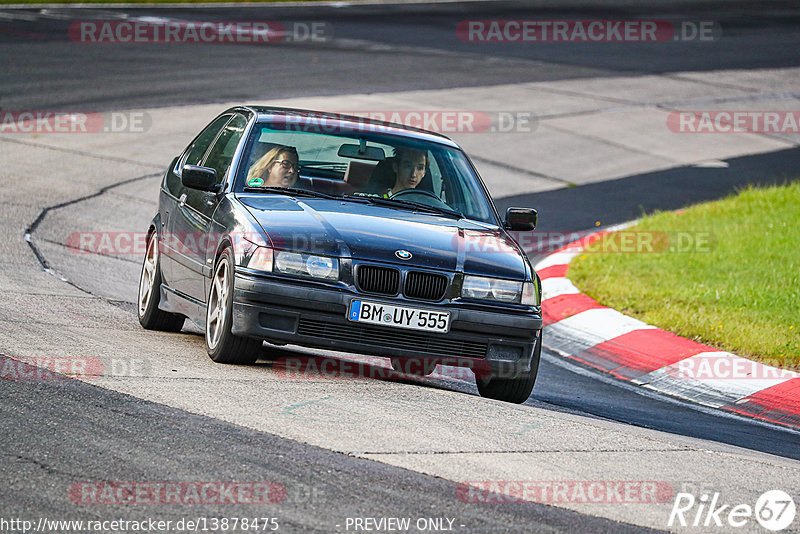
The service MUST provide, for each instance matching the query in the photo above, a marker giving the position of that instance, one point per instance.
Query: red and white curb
(580, 329)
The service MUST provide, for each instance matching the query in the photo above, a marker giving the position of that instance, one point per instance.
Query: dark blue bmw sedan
(337, 232)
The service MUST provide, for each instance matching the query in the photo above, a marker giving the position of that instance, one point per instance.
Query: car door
(192, 223)
(218, 158)
(182, 263)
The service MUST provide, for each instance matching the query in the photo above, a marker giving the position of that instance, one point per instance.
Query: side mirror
(521, 219)
(202, 178)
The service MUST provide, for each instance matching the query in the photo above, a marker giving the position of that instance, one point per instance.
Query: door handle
(182, 200)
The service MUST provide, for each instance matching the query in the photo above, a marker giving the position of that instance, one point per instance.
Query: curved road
(166, 413)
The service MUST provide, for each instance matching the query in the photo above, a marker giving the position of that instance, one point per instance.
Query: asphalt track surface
(136, 440)
(113, 436)
(370, 49)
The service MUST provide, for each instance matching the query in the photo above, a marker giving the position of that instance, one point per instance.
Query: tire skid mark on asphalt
(103, 254)
(29, 231)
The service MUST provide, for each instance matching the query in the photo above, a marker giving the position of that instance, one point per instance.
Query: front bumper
(314, 316)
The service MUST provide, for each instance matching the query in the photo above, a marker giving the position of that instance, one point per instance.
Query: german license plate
(362, 311)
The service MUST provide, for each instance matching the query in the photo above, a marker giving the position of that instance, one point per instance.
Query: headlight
(478, 287)
(530, 294)
(321, 267)
(307, 265)
(261, 259)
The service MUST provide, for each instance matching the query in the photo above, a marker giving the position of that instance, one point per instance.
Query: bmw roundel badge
(403, 254)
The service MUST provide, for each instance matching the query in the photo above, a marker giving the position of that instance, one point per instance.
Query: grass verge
(724, 273)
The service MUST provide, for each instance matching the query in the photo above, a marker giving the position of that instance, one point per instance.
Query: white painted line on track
(687, 378)
(559, 258)
(603, 324)
(554, 287)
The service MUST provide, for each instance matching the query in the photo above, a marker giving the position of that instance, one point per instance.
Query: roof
(328, 121)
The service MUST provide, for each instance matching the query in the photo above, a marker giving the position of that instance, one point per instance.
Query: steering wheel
(423, 193)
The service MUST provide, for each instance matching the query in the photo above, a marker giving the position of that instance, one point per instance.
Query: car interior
(340, 178)
(362, 165)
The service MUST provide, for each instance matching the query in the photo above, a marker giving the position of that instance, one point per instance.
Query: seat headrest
(358, 173)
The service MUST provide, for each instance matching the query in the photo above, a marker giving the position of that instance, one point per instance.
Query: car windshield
(363, 166)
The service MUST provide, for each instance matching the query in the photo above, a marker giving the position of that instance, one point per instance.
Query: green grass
(738, 290)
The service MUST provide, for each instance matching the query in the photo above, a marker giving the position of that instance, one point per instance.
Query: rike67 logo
(774, 510)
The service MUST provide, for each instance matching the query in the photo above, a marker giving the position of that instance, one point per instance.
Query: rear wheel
(222, 346)
(516, 390)
(150, 316)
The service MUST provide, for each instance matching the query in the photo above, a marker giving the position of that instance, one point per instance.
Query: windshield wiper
(406, 204)
(292, 191)
(435, 209)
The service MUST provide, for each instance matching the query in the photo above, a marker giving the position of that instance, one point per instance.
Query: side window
(221, 154)
(193, 154)
(203, 141)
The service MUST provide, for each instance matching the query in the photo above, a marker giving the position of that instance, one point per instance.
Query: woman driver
(277, 168)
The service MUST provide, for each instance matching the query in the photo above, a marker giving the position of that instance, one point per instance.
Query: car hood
(376, 233)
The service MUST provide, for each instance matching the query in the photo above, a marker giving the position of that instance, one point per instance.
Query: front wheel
(516, 390)
(150, 316)
(221, 344)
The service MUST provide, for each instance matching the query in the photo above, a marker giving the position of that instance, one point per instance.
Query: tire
(150, 317)
(222, 346)
(413, 366)
(516, 390)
